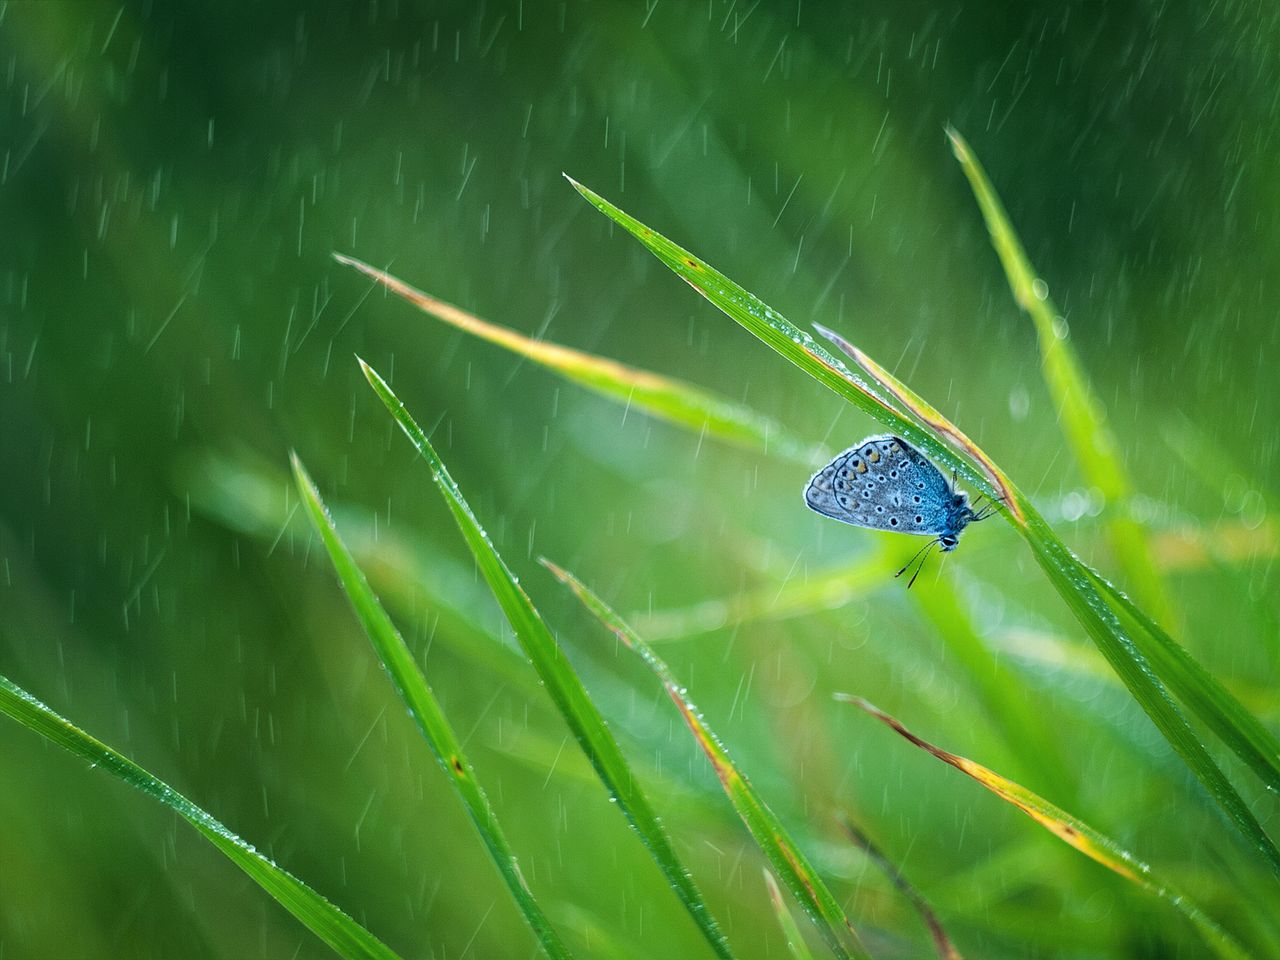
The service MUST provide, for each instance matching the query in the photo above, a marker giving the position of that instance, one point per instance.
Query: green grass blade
(1080, 411)
(1239, 729)
(796, 946)
(765, 323)
(1070, 830)
(326, 921)
(561, 681)
(1074, 582)
(785, 857)
(426, 711)
(1068, 575)
(665, 398)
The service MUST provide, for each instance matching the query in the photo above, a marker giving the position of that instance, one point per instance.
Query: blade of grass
(771, 327)
(932, 419)
(941, 942)
(1066, 573)
(1067, 828)
(825, 590)
(326, 921)
(796, 946)
(562, 682)
(1080, 411)
(1076, 585)
(661, 397)
(426, 711)
(801, 878)
(1219, 709)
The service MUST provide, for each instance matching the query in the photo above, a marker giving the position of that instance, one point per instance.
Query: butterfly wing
(882, 483)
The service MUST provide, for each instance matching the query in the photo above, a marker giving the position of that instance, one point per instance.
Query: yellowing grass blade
(326, 921)
(559, 677)
(1067, 828)
(1070, 577)
(1080, 411)
(799, 875)
(661, 397)
(935, 421)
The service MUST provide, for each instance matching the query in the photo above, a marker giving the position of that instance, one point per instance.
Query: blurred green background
(174, 179)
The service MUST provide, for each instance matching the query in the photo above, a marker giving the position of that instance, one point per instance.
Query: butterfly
(884, 483)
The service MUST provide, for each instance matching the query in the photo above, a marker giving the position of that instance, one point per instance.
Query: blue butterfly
(884, 483)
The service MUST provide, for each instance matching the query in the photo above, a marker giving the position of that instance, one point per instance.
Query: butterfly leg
(991, 508)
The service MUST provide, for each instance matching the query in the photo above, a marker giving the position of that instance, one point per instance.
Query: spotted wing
(882, 483)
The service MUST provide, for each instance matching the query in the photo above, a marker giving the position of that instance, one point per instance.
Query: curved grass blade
(326, 921)
(799, 875)
(1216, 706)
(941, 942)
(413, 689)
(796, 946)
(661, 397)
(775, 330)
(1070, 830)
(934, 420)
(562, 682)
(1074, 582)
(1081, 412)
(1069, 576)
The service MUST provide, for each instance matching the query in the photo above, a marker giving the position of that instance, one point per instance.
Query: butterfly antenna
(906, 565)
(911, 582)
